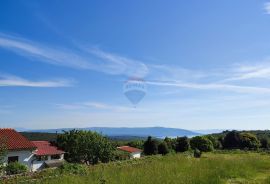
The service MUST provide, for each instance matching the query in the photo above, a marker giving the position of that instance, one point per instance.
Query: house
(35, 155)
(46, 155)
(133, 152)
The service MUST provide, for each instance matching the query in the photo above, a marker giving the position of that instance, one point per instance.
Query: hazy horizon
(183, 64)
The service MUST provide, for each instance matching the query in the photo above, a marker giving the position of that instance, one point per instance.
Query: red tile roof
(129, 149)
(46, 148)
(14, 140)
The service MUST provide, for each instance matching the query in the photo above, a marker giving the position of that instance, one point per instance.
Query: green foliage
(201, 143)
(121, 155)
(136, 144)
(71, 168)
(197, 153)
(182, 144)
(264, 143)
(163, 148)
(85, 146)
(15, 168)
(150, 146)
(215, 141)
(170, 142)
(249, 141)
(232, 140)
(240, 140)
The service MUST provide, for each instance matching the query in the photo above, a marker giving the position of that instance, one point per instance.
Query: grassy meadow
(241, 167)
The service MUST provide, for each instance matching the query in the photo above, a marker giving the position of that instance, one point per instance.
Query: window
(42, 158)
(55, 157)
(13, 159)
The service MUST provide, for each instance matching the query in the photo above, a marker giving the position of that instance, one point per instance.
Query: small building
(133, 152)
(35, 155)
(46, 155)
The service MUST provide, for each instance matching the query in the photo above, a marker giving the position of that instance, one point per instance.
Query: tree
(163, 148)
(216, 143)
(170, 142)
(136, 144)
(232, 140)
(237, 140)
(249, 141)
(150, 146)
(264, 143)
(201, 143)
(85, 146)
(182, 144)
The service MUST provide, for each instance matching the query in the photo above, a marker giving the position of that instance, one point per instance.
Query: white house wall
(25, 157)
(135, 155)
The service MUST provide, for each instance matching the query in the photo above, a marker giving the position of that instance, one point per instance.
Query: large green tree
(150, 146)
(201, 143)
(182, 144)
(163, 148)
(85, 146)
(249, 140)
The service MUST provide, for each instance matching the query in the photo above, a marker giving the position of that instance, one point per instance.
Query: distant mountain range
(159, 132)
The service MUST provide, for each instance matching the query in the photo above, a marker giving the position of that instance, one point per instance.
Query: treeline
(91, 148)
(206, 143)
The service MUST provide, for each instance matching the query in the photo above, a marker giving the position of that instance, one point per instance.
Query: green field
(242, 167)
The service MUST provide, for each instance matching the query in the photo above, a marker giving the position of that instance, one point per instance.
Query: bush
(264, 143)
(15, 168)
(70, 168)
(216, 143)
(171, 143)
(163, 148)
(244, 140)
(197, 153)
(182, 144)
(249, 141)
(201, 143)
(121, 155)
(150, 146)
(232, 140)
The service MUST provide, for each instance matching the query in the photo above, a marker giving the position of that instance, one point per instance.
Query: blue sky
(206, 64)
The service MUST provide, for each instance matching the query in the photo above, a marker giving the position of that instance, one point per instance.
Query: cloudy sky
(205, 64)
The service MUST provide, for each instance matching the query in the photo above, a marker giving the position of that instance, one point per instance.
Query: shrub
(197, 153)
(182, 144)
(216, 143)
(201, 143)
(232, 140)
(163, 148)
(150, 146)
(264, 143)
(121, 155)
(244, 140)
(15, 168)
(136, 144)
(249, 141)
(71, 168)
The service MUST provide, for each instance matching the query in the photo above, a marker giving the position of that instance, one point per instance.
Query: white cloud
(267, 7)
(11, 80)
(159, 75)
(214, 86)
(96, 106)
(80, 58)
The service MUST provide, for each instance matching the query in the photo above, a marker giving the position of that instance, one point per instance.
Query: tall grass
(177, 169)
